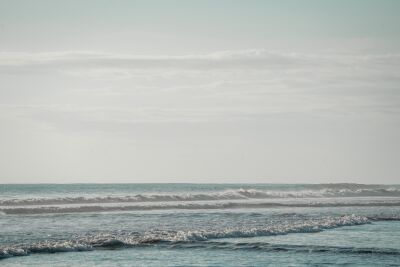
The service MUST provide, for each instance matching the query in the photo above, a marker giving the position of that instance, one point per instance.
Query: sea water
(199, 225)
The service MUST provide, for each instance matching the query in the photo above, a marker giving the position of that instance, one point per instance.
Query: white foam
(332, 191)
(125, 239)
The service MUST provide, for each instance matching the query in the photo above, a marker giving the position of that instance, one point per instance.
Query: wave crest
(234, 194)
(129, 239)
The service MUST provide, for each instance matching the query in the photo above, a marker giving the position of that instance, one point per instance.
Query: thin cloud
(115, 89)
(218, 60)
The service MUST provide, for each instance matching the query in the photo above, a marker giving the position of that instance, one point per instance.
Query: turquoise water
(199, 225)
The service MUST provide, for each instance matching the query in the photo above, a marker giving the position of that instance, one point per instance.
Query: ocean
(199, 225)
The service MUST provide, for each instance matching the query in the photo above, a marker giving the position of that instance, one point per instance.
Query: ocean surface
(200, 225)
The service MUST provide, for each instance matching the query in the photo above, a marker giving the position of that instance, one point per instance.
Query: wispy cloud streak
(222, 86)
(219, 60)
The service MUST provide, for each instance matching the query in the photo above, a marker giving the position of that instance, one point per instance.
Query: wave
(259, 246)
(266, 247)
(179, 239)
(330, 191)
(189, 206)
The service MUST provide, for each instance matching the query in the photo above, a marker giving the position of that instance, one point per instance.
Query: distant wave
(330, 191)
(182, 239)
(189, 206)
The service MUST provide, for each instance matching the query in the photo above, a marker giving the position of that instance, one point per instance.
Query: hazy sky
(200, 91)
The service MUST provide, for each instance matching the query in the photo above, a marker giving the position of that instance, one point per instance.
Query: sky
(206, 91)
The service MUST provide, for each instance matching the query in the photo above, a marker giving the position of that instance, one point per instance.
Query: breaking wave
(188, 239)
(330, 191)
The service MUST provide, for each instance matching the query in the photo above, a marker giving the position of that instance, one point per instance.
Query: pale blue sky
(198, 26)
(200, 91)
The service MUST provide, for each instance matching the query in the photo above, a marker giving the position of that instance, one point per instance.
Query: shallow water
(200, 225)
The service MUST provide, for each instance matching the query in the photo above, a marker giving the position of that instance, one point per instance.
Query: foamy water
(40, 220)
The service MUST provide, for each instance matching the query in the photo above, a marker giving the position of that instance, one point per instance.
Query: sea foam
(118, 239)
(327, 191)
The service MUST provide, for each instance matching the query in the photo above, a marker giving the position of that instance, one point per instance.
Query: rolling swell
(284, 248)
(259, 246)
(325, 191)
(189, 206)
(194, 238)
